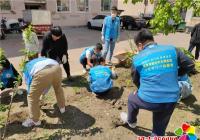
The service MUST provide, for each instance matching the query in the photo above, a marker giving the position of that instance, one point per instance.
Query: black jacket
(195, 34)
(54, 49)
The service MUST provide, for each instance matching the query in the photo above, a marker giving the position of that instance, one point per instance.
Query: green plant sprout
(28, 32)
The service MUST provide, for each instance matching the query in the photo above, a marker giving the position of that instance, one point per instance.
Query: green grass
(3, 108)
(2, 121)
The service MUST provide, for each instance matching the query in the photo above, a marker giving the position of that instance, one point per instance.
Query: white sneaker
(30, 123)
(84, 71)
(109, 63)
(62, 110)
(124, 118)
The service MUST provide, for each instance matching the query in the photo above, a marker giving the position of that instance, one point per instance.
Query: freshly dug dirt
(96, 117)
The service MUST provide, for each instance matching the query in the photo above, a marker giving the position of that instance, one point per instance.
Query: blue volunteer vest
(100, 79)
(6, 75)
(27, 70)
(83, 55)
(111, 28)
(158, 70)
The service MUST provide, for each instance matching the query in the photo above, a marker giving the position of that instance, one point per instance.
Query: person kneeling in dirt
(155, 72)
(8, 75)
(90, 56)
(185, 86)
(100, 78)
(40, 74)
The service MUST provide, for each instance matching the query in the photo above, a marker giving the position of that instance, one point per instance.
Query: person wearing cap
(110, 33)
(40, 74)
(90, 56)
(55, 46)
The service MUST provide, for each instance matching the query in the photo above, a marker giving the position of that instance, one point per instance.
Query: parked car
(148, 17)
(130, 23)
(96, 22)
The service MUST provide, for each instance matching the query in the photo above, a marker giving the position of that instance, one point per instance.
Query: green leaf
(167, 9)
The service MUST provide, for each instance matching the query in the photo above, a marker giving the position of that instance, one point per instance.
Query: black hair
(98, 61)
(143, 36)
(101, 60)
(5, 63)
(99, 46)
(26, 25)
(56, 30)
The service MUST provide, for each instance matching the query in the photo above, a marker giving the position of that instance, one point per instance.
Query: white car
(96, 22)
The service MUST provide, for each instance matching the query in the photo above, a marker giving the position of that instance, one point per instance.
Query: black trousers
(95, 61)
(161, 113)
(197, 51)
(67, 68)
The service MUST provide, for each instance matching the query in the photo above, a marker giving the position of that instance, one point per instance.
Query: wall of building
(69, 18)
(134, 10)
(74, 17)
(17, 7)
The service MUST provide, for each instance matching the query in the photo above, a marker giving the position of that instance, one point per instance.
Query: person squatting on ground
(100, 78)
(31, 41)
(40, 74)
(195, 40)
(8, 75)
(55, 46)
(90, 56)
(155, 72)
(110, 33)
(185, 86)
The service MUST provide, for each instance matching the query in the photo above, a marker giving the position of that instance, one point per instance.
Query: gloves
(64, 59)
(102, 38)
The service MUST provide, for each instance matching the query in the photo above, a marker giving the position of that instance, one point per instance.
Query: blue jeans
(109, 46)
(161, 113)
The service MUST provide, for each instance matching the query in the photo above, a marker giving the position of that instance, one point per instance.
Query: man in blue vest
(8, 75)
(100, 78)
(40, 74)
(155, 72)
(110, 33)
(91, 56)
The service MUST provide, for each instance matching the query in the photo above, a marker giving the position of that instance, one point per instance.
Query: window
(63, 5)
(5, 5)
(82, 5)
(105, 5)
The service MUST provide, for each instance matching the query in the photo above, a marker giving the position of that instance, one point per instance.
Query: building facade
(136, 9)
(63, 12)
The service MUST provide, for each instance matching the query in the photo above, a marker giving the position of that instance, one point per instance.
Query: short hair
(56, 30)
(143, 36)
(26, 25)
(99, 46)
(101, 60)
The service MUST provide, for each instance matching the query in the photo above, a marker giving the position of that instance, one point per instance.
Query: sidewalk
(178, 39)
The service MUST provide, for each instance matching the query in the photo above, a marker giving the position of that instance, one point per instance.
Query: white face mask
(113, 15)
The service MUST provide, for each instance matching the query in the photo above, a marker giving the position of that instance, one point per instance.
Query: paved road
(77, 38)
